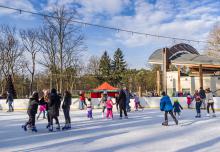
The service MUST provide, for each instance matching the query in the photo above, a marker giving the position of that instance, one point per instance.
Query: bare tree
(30, 43)
(93, 66)
(65, 39)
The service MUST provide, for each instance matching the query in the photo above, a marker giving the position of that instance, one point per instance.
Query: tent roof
(105, 86)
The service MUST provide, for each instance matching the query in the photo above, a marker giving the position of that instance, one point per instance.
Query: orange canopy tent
(111, 91)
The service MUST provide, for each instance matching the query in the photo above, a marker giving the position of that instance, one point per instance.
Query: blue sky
(192, 19)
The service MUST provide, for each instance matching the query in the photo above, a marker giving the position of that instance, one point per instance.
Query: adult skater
(9, 101)
(82, 100)
(167, 107)
(32, 111)
(122, 102)
(66, 109)
(44, 101)
(210, 102)
(198, 104)
(202, 96)
(53, 108)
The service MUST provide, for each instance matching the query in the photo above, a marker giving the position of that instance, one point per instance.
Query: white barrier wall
(148, 102)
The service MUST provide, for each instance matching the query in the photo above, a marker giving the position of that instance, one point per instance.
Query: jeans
(198, 106)
(171, 113)
(81, 104)
(10, 106)
(66, 113)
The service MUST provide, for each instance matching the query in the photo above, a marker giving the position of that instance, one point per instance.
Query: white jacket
(209, 97)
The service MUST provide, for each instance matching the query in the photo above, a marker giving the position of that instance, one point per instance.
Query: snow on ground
(140, 133)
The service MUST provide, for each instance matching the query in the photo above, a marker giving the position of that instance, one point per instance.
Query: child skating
(32, 111)
(137, 103)
(177, 107)
(109, 106)
(167, 107)
(89, 109)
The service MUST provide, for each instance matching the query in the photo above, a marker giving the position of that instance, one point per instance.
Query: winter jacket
(177, 107)
(32, 106)
(136, 99)
(109, 104)
(43, 101)
(202, 94)
(166, 104)
(82, 98)
(9, 98)
(67, 102)
(189, 99)
(122, 98)
(54, 104)
(209, 97)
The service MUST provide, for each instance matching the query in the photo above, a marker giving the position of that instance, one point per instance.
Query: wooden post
(179, 83)
(158, 82)
(165, 69)
(200, 76)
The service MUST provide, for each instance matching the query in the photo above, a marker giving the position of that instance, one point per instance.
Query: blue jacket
(166, 104)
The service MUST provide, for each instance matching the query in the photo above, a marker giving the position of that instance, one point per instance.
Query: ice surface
(142, 132)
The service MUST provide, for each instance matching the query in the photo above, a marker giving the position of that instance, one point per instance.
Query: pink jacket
(109, 104)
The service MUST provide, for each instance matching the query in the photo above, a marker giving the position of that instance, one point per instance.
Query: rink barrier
(147, 102)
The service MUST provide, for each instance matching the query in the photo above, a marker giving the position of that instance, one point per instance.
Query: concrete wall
(148, 102)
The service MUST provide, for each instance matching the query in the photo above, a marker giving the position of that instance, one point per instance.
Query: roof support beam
(200, 76)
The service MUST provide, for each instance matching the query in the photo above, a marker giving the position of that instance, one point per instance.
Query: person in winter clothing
(117, 101)
(177, 107)
(202, 96)
(198, 103)
(32, 111)
(10, 100)
(53, 108)
(128, 107)
(210, 102)
(137, 103)
(66, 109)
(103, 102)
(82, 100)
(167, 107)
(122, 102)
(89, 109)
(189, 100)
(109, 106)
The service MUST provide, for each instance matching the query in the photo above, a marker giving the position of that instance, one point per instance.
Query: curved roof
(173, 53)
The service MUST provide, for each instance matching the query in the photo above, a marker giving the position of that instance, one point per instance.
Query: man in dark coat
(122, 102)
(10, 102)
(53, 108)
(202, 96)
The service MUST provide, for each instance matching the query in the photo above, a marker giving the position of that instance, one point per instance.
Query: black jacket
(54, 105)
(32, 106)
(67, 102)
(202, 94)
(122, 98)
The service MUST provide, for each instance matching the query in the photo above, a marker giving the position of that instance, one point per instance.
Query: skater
(103, 102)
(137, 103)
(122, 103)
(82, 100)
(66, 109)
(202, 96)
(117, 101)
(166, 106)
(32, 111)
(189, 100)
(210, 102)
(53, 109)
(109, 106)
(89, 109)
(177, 107)
(9, 101)
(198, 104)
(127, 99)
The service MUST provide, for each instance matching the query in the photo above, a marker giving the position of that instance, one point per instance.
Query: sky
(190, 19)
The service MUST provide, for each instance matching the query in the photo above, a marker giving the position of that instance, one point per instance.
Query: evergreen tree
(10, 87)
(105, 68)
(118, 66)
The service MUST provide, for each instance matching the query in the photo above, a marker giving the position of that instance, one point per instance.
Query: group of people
(49, 104)
(200, 97)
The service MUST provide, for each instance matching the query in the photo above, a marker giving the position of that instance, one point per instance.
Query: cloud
(19, 4)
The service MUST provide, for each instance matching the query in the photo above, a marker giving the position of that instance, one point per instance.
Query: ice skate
(126, 117)
(213, 115)
(165, 123)
(48, 126)
(207, 115)
(51, 128)
(34, 129)
(64, 128)
(58, 127)
(24, 127)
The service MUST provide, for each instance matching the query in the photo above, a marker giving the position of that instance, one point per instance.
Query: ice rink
(142, 132)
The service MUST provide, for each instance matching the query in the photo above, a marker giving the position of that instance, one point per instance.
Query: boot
(24, 127)
(34, 129)
(165, 123)
(213, 115)
(48, 126)
(58, 127)
(51, 128)
(65, 127)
